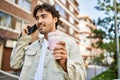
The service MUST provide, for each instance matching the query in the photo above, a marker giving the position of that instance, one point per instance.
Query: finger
(29, 25)
(61, 43)
(60, 56)
(25, 29)
(59, 47)
(57, 56)
(59, 52)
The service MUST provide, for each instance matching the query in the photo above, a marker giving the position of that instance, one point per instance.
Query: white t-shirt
(39, 72)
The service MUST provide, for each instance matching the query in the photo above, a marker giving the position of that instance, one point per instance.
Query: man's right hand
(34, 35)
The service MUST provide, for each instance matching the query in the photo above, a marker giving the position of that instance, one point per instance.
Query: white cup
(53, 38)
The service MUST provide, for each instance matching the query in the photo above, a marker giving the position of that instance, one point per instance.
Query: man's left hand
(60, 52)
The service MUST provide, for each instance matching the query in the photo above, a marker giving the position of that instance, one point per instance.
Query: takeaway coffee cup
(53, 38)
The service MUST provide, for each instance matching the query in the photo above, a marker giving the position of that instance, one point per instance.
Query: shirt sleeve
(75, 65)
(17, 55)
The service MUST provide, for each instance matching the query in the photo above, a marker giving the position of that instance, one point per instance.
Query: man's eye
(43, 16)
(37, 18)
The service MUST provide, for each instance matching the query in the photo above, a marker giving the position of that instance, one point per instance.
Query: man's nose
(40, 20)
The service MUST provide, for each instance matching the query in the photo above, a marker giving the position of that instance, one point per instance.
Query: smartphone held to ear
(32, 29)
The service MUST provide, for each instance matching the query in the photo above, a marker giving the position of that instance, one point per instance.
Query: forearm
(17, 55)
(76, 71)
(75, 65)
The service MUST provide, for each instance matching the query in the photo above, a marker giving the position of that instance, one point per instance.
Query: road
(94, 70)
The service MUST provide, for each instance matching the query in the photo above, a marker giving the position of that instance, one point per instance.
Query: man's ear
(55, 19)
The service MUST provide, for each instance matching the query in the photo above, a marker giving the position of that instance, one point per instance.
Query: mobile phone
(32, 29)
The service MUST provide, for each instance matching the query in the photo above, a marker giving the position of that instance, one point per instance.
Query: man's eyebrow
(41, 15)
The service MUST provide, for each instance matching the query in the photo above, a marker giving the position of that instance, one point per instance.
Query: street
(94, 70)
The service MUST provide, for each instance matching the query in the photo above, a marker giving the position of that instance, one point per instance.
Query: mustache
(41, 24)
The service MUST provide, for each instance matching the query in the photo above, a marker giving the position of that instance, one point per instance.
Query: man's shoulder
(68, 40)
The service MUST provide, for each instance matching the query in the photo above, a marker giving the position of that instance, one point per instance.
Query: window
(13, 1)
(52, 2)
(84, 35)
(71, 31)
(71, 8)
(45, 1)
(63, 1)
(18, 25)
(25, 4)
(82, 41)
(5, 19)
(71, 19)
(60, 9)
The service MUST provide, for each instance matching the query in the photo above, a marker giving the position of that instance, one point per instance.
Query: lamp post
(117, 40)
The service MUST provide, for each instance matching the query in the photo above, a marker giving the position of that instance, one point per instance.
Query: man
(34, 59)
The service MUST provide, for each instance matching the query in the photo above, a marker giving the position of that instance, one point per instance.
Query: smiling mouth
(42, 28)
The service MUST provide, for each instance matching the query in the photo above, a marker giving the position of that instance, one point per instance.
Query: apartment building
(14, 14)
(86, 49)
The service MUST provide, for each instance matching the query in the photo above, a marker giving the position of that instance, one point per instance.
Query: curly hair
(48, 8)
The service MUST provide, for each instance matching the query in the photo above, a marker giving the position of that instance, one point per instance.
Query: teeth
(41, 26)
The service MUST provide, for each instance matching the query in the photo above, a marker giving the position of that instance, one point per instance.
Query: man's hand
(60, 52)
(35, 35)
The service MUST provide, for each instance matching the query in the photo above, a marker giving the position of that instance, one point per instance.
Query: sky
(87, 7)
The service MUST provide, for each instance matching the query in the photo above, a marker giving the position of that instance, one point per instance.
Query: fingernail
(57, 42)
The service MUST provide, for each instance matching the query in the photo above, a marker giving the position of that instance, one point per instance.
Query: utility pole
(117, 40)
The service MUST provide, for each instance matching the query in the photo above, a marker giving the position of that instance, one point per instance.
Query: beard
(42, 32)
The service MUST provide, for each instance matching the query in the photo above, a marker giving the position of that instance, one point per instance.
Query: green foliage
(108, 32)
(110, 47)
(108, 23)
(98, 59)
(100, 35)
(107, 75)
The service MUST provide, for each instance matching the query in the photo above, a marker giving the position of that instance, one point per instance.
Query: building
(14, 14)
(86, 49)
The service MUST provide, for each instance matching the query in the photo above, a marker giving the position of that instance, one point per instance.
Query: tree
(108, 26)
(107, 6)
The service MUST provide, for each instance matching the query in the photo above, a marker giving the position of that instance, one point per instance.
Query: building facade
(14, 14)
(86, 49)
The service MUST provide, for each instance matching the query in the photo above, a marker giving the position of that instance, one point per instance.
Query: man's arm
(17, 55)
(73, 67)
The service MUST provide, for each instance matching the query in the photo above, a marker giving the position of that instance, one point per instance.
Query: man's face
(45, 22)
